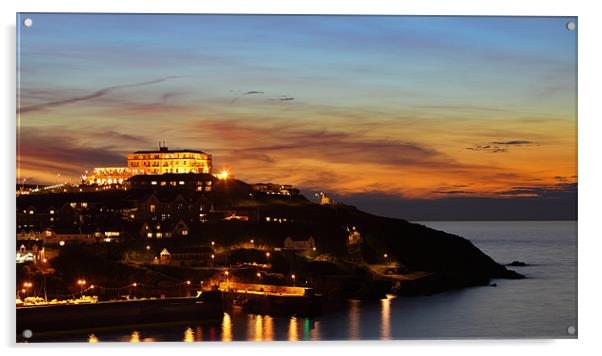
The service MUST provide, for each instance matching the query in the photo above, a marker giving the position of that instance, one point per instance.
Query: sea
(544, 305)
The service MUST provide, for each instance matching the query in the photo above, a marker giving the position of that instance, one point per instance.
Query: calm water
(544, 305)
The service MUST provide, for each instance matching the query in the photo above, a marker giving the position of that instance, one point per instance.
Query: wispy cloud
(251, 92)
(97, 94)
(545, 190)
(500, 146)
(514, 143)
(45, 153)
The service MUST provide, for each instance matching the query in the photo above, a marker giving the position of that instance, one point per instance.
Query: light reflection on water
(188, 335)
(227, 328)
(269, 328)
(135, 337)
(385, 316)
(236, 325)
(258, 328)
(354, 319)
(292, 330)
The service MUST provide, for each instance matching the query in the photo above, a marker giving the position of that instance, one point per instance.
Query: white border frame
(589, 169)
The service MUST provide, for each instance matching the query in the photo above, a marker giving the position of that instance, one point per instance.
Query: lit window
(181, 182)
(185, 232)
(150, 234)
(84, 205)
(51, 212)
(163, 183)
(152, 208)
(154, 182)
(31, 212)
(159, 235)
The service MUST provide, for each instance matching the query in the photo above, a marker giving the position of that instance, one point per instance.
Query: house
(187, 256)
(30, 252)
(299, 244)
(62, 235)
(28, 234)
(161, 230)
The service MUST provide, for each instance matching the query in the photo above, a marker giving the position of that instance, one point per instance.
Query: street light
(252, 241)
(188, 282)
(26, 286)
(212, 243)
(81, 283)
(227, 274)
(294, 279)
(148, 247)
(267, 254)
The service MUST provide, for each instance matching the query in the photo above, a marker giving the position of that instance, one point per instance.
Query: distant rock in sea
(517, 264)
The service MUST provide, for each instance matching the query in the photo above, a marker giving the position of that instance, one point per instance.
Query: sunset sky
(407, 108)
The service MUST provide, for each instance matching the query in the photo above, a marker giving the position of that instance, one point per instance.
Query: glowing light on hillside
(223, 175)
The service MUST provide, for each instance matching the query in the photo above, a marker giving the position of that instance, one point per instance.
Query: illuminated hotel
(162, 161)
(165, 161)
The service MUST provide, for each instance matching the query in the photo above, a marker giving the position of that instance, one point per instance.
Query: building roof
(201, 249)
(299, 238)
(170, 151)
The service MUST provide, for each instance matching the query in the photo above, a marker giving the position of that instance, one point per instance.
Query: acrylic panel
(285, 177)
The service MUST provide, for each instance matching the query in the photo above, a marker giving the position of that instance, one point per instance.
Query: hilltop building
(324, 200)
(275, 189)
(107, 176)
(165, 161)
(154, 162)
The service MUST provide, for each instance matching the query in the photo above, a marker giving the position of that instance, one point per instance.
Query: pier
(272, 299)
